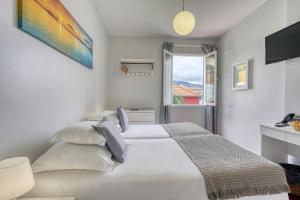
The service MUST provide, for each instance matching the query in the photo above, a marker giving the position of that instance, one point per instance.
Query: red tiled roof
(182, 91)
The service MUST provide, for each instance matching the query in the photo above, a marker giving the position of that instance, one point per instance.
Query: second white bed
(154, 170)
(155, 131)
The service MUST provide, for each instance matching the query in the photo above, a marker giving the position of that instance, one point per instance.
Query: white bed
(154, 131)
(154, 170)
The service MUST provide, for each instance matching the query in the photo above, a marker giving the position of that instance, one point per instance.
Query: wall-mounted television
(283, 45)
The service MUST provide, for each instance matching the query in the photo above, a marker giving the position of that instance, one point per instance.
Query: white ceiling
(154, 17)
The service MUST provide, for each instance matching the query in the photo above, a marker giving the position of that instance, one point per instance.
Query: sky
(188, 68)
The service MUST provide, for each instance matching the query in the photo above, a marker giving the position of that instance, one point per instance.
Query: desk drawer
(279, 135)
(293, 138)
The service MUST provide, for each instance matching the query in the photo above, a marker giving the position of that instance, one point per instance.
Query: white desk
(280, 143)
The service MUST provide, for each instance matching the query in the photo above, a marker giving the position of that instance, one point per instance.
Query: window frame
(215, 53)
(167, 100)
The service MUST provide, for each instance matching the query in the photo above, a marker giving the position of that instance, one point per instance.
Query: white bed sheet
(154, 131)
(153, 170)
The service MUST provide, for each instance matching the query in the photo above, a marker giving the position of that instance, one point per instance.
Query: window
(190, 79)
(187, 85)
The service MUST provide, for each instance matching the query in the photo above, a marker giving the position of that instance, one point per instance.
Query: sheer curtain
(166, 80)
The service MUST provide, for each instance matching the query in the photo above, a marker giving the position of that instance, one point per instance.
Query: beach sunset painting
(50, 22)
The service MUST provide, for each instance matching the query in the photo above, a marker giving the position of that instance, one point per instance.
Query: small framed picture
(240, 76)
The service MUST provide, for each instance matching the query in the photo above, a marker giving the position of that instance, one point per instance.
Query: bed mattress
(153, 170)
(154, 131)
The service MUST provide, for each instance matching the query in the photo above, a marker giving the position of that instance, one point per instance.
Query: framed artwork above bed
(50, 22)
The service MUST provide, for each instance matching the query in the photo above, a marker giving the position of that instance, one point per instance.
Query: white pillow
(64, 156)
(109, 114)
(81, 133)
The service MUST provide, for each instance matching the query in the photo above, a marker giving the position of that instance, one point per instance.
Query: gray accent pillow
(114, 140)
(123, 117)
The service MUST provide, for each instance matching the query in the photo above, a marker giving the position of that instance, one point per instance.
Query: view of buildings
(187, 85)
(187, 93)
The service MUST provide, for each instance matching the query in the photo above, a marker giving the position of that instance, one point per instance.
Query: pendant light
(184, 22)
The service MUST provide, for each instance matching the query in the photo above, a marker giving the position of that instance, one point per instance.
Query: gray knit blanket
(230, 171)
(185, 129)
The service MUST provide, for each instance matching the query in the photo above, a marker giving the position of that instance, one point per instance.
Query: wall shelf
(137, 67)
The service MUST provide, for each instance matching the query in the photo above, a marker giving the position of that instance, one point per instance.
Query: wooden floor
(294, 197)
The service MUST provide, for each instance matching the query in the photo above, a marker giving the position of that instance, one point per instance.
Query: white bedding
(154, 131)
(153, 170)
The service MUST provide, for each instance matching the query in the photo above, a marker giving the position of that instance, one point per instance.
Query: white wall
(42, 90)
(241, 112)
(131, 91)
(292, 96)
(187, 114)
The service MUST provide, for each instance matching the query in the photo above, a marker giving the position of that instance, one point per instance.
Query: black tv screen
(283, 45)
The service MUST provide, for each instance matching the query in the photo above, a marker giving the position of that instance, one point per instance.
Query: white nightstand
(141, 116)
(54, 198)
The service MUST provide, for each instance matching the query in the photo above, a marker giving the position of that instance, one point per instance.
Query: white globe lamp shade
(184, 22)
(16, 178)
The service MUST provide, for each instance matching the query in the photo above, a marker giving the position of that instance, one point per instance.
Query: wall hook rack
(127, 67)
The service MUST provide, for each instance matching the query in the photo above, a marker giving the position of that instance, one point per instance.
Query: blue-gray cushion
(123, 117)
(114, 140)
